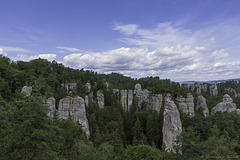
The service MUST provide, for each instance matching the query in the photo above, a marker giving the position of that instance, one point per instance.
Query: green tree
(33, 135)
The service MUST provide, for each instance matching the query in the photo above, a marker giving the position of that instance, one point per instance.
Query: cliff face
(201, 102)
(226, 105)
(172, 126)
(74, 108)
(186, 104)
(50, 102)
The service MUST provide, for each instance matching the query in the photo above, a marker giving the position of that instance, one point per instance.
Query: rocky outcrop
(213, 90)
(69, 86)
(126, 99)
(199, 88)
(204, 87)
(74, 108)
(50, 103)
(232, 91)
(88, 86)
(142, 95)
(226, 105)
(156, 102)
(27, 90)
(186, 104)
(100, 99)
(201, 102)
(172, 126)
(196, 87)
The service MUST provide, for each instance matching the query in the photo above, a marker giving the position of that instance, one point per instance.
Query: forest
(115, 134)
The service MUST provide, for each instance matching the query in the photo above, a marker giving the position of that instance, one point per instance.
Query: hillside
(49, 111)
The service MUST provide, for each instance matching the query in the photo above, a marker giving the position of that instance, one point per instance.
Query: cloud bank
(169, 51)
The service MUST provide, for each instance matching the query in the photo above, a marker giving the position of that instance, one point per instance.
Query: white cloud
(13, 49)
(2, 52)
(49, 57)
(126, 29)
(219, 54)
(68, 49)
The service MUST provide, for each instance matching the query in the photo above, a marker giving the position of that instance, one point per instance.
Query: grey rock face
(75, 108)
(172, 126)
(88, 85)
(226, 105)
(100, 99)
(204, 87)
(69, 86)
(50, 103)
(238, 111)
(213, 90)
(123, 99)
(198, 91)
(130, 99)
(27, 90)
(126, 99)
(232, 91)
(86, 100)
(142, 95)
(156, 102)
(201, 102)
(187, 104)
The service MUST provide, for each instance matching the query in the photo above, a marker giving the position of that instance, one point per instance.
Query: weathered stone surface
(116, 91)
(238, 111)
(69, 86)
(201, 102)
(88, 85)
(75, 109)
(100, 99)
(123, 99)
(226, 105)
(27, 90)
(130, 99)
(186, 104)
(86, 100)
(232, 91)
(172, 126)
(50, 103)
(198, 91)
(204, 87)
(213, 90)
(126, 99)
(142, 95)
(156, 102)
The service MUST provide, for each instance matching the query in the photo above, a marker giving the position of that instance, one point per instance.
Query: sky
(181, 40)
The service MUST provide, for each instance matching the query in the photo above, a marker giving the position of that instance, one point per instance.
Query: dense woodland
(28, 133)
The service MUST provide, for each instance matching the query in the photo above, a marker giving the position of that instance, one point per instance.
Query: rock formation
(172, 125)
(186, 104)
(213, 90)
(226, 105)
(204, 87)
(201, 102)
(50, 103)
(27, 90)
(69, 86)
(156, 102)
(232, 91)
(100, 99)
(142, 95)
(74, 108)
(88, 85)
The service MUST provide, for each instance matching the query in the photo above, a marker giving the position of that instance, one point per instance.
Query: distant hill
(210, 82)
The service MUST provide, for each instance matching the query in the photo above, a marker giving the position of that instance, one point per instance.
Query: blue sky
(176, 39)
